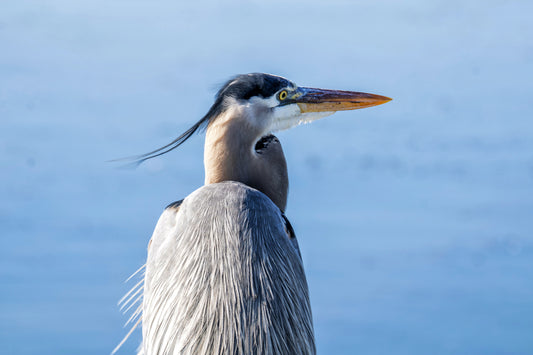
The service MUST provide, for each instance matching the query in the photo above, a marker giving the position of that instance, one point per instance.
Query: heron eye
(283, 95)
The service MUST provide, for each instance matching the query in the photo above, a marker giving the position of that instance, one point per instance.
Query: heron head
(275, 103)
(272, 104)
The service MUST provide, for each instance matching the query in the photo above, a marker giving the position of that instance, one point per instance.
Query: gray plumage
(224, 273)
(234, 283)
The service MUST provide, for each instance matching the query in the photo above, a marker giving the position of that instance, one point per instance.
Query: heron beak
(321, 100)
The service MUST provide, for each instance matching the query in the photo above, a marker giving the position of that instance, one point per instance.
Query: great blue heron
(224, 274)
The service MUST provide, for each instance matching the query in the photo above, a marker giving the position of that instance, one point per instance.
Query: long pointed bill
(320, 100)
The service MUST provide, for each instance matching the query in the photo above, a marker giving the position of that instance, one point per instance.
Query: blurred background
(414, 218)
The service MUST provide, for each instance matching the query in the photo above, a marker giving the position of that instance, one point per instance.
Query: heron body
(242, 292)
(224, 274)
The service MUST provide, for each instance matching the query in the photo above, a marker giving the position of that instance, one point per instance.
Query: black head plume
(240, 87)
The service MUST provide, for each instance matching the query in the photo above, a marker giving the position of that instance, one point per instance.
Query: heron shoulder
(233, 195)
(223, 205)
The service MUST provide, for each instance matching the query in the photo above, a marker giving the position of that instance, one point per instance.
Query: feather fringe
(133, 297)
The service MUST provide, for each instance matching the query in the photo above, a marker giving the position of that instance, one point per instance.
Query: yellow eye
(283, 95)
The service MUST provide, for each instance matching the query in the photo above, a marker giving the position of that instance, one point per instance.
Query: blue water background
(415, 218)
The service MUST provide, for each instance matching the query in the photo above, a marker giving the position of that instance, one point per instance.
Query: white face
(275, 118)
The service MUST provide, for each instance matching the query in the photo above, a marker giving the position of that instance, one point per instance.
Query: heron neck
(229, 155)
